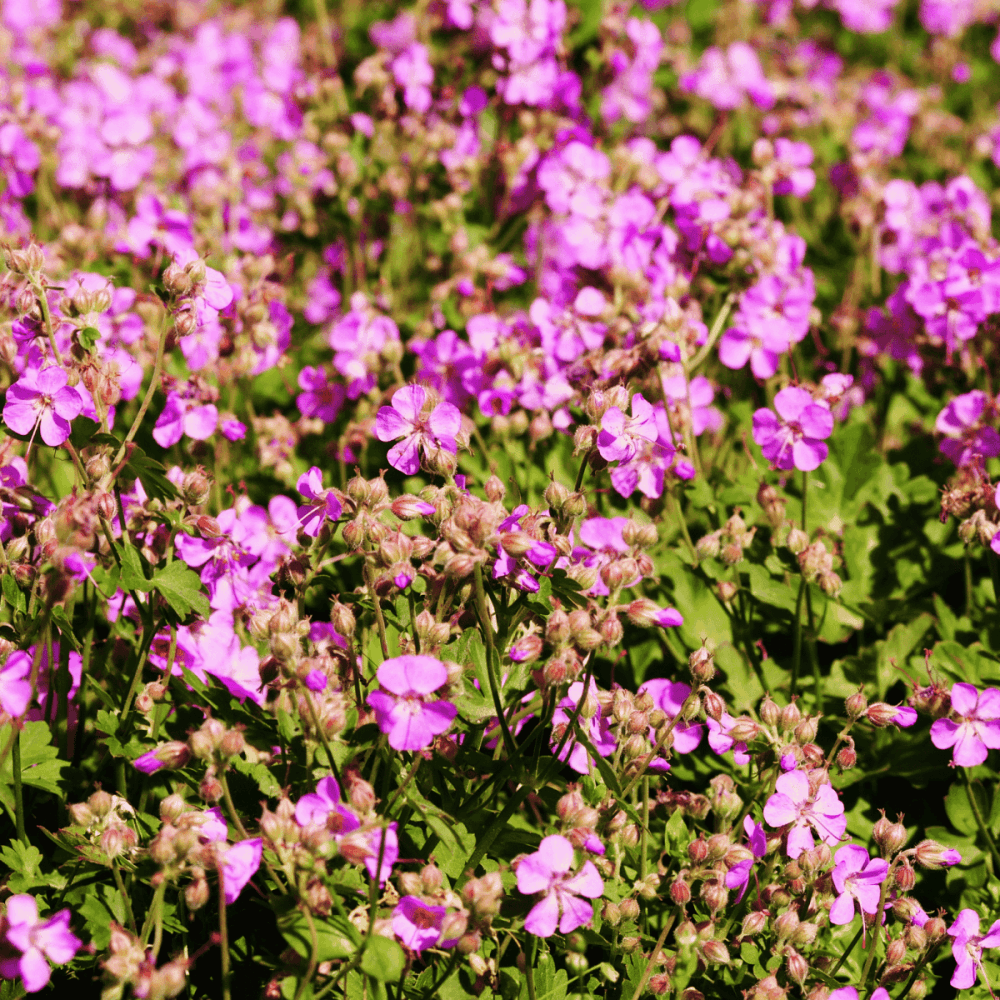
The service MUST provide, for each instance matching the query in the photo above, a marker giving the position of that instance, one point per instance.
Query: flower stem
(125, 897)
(230, 807)
(484, 618)
(876, 928)
(980, 822)
(18, 794)
(379, 620)
(847, 951)
(223, 937)
(805, 497)
(652, 958)
(797, 640)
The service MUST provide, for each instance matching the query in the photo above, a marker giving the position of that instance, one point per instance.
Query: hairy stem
(18, 793)
(484, 617)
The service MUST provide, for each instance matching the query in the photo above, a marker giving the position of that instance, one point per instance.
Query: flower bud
(629, 909)
(680, 892)
(889, 836)
(847, 757)
(931, 854)
(753, 923)
(709, 546)
(786, 925)
(797, 541)
(769, 711)
(935, 929)
(798, 967)
(715, 952)
(790, 717)
(197, 892)
(611, 914)
(744, 729)
(856, 704)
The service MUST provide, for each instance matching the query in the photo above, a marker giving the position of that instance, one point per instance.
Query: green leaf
(13, 594)
(335, 937)
(181, 588)
(87, 338)
(61, 619)
(40, 767)
(151, 473)
(383, 959)
(959, 809)
(133, 575)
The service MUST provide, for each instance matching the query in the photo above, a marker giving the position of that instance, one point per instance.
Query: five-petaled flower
(428, 433)
(28, 944)
(977, 729)
(548, 871)
(967, 947)
(856, 877)
(322, 504)
(794, 438)
(43, 399)
(795, 803)
(403, 710)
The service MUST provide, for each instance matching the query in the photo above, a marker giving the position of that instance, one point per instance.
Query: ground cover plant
(496, 499)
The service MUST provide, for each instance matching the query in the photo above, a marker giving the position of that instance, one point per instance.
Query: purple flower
(597, 730)
(417, 924)
(28, 944)
(670, 697)
(721, 742)
(322, 504)
(185, 416)
(794, 803)
(320, 398)
(620, 437)
(962, 424)
(548, 871)
(324, 808)
(796, 439)
(239, 863)
(967, 947)
(850, 993)
(856, 877)
(977, 728)
(167, 755)
(410, 720)
(43, 399)
(738, 877)
(436, 431)
(15, 688)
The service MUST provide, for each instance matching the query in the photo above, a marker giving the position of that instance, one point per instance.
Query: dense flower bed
(496, 499)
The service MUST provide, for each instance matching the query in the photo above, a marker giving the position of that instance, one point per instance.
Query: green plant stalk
(877, 926)
(125, 897)
(918, 968)
(484, 617)
(379, 620)
(652, 958)
(797, 640)
(314, 952)
(47, 316)
(529, 971)
(223, 937)
(18, 793)
(403, 785)
(981, 823)
(847, 951)
(644, 833)
(155, 915)
(314, 715)
(814, 656)
(659, 744)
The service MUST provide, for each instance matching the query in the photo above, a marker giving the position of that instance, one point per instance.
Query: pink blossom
(323, 504)
(795, 804)
(620, 437)
(407, 715)
(670, 696)
(721, 742)
(856, 877)
(964, 428)
(850, 993)
(429, 433)
(185, 416)
(977, 729)
(42, 399)
(597, 730)
(738, 877)
(28, 944)
(793, 439)
(967, 947)
(239, 864)
(417, 924)
(15, 688)
(548, 871)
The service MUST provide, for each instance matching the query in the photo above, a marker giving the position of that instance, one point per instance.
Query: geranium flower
(548, 871)
(42, 399)
(417, 924)
(410, 720)
(322, 504)
(239, 864)
(796, 439)
(28, 944)
(15, 688)
(670, 697)
(967, 947)
(404, 419)
(597, 730)
(978, 727)
(856, 877)
(738, 877)
(794, 803)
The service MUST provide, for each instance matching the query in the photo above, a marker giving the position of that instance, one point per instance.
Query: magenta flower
(28, 944)
(324, 808)
(856, 877)
(977, 728)
(167, 755)
(322, 504)
(185, 416)
(417, 924)
(15, 688)
(239, 864)
(597, 730)
(850, 993)
(721, 742)
(321, 398)
(965, 430)
(548, 871)
(621, 437)
(42, 399)
(738, 877)
(796, 439)
(670, 696)
(967, 947)
(795, 804)
(406, 715)
(433, 432)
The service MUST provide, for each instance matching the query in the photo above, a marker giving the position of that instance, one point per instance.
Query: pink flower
(406, 715)
(670, 696)
(317, 808)
(621, 437)
(856, 877)
(965, 430)
(185, 416)
(796, 439)
(322, 504)
(721, 742)
(15, 689)
(238, 864)
(978, 727)
(794, 803)
(967, 947)
(597, 730)
(28, 944)
(850, 993)
(42, 399)
(436, 431)
(548, 871)
(738, 877)
(417, 924)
